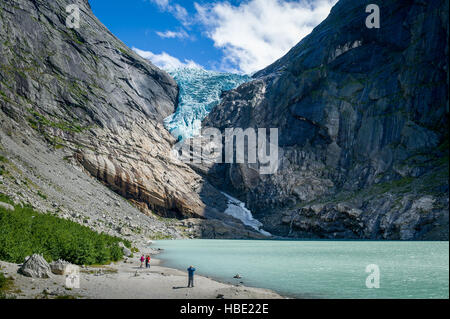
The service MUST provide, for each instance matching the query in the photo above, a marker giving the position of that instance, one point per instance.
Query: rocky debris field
(36, 175)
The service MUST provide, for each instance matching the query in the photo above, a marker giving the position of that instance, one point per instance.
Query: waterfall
(237, 209)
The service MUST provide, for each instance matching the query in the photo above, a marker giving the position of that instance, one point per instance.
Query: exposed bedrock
(363, 119)
(84, 91)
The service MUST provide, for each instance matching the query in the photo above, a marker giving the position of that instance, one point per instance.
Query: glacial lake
(318, 269)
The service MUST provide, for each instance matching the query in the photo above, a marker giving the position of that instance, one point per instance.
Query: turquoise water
(319, 269)
(200, 91)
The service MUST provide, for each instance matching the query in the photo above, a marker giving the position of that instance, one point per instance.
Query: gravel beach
(126, 280)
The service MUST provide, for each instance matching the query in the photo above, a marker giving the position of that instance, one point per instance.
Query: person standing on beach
(142, 260)
(147, 261)
(191, 276)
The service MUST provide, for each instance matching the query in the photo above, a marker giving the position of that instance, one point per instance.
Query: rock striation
(362, 117)
(36, 267)
(363, 128)
(88, 95)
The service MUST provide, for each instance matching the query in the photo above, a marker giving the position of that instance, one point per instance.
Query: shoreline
(126, 280)
(222, 281)
(229, 283)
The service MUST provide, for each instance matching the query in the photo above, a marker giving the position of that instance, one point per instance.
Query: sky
(238, 36)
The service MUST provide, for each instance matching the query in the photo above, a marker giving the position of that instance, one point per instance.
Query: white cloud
(173, 34)
(179, 12)
(258, 32)
(161, 3)
(166, 61)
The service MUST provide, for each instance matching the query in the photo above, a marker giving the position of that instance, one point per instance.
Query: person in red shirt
(147, 261)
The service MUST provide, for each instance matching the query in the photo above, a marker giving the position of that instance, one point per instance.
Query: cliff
(363, 128)
(74, 98)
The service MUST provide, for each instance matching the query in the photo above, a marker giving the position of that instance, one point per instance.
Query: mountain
(363, 128)
(76, 103)
(362, 117)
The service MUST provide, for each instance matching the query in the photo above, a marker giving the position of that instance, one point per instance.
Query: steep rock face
(363, 119)
(84, 91)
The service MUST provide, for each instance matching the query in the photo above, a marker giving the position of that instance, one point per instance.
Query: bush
(24, 232)
(3, 280)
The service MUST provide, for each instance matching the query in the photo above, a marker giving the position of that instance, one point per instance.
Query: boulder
(6, 206)
(125, 231)
(36, 267)
(126, 252)
(62, 267)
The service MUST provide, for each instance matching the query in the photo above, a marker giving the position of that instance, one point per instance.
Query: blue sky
(240, 36)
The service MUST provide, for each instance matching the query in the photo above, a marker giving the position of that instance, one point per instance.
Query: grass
(4, 97)
(79, 93)
(403, 184)
(3, 160)
(43, 196)
(37, 120)
(5, 199)
(24, 232)
(124, 52)
(99, 268)
(160, 236)
(6, 285)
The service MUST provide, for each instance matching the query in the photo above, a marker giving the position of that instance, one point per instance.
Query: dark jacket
(191, 271)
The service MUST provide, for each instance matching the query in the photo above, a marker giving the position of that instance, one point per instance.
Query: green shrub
(134, 250)
(43, 196)
(24, 232)
(37, 120)
(3, 280)
(5, 199)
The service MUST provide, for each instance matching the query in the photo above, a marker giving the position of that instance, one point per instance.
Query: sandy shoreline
(126, 280)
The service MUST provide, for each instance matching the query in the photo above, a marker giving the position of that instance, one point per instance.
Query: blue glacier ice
(200, 91)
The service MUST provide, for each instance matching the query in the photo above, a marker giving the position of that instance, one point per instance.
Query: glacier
(200, 91)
